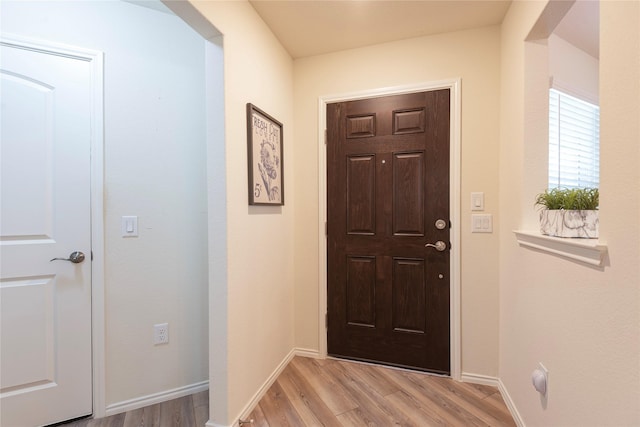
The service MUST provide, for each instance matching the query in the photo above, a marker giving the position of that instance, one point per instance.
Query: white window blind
(574, 142)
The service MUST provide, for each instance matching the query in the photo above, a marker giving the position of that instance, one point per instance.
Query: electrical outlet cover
(161, 333)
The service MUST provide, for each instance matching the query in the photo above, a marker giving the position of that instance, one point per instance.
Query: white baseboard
(152, 399)
(510, 405)
(305, 352)
(467, 377)
(495, 382)
(249, 407)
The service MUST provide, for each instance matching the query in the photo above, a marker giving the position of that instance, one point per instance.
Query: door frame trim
(454, 86)
(96, 59)
(98, 322)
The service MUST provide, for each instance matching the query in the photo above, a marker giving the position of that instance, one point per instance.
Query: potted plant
(569, 212)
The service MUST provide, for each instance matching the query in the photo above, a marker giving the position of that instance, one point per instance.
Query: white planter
(561, 223)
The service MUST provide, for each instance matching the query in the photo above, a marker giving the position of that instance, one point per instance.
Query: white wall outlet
(161, 333)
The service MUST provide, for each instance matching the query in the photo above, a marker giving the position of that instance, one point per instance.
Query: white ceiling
(312, 27)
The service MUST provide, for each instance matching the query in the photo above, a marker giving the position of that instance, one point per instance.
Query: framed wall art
(264, 152)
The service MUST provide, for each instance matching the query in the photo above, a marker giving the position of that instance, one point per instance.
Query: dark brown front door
(387, 187)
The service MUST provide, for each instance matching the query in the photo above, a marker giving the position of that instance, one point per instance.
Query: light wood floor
(330, 392)
(188, 411)
(311, 392)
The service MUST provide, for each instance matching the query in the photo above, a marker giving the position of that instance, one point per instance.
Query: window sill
(587, 251)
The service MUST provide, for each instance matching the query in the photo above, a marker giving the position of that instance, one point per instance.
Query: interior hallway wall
(258, 294)
(582, 323)
(154, 155)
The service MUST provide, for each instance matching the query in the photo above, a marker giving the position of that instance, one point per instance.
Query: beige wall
(258, 294)
(582, 323)
(154, 167)
(472, 56)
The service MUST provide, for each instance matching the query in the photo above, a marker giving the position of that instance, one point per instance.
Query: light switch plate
(481, 223)
(477, 201)
(129, 226)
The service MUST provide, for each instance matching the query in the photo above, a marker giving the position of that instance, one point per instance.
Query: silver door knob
(439, 246)
(75, 257)
(441, 224)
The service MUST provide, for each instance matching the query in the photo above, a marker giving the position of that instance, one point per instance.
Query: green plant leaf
(569, 199)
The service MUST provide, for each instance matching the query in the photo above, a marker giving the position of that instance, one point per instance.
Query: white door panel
(45, 329)
(32, 103)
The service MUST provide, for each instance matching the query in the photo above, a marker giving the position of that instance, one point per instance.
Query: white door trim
(454, 193)
(97, 184)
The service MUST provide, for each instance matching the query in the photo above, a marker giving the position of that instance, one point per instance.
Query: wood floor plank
(200, 399)
(112, 421)
(277, 408)
(420, 398)
(259, 420)
(321, 362)
(444, 407)
(201, 407)
(331, 392)
(177, 413)
(304, 411)
(368, 399)
(447, 401)
(357, 418)
(378, 382)
(479, 390)
(421, 415)
(305, 399)
(464, 398)
(148, 416)
(201, 415)
(497, 402)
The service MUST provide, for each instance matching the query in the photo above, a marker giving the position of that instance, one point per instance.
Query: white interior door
(45, 329)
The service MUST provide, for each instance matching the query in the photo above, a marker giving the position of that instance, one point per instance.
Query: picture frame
(265, 161)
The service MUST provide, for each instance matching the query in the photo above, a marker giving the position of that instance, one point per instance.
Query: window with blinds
(574, 142)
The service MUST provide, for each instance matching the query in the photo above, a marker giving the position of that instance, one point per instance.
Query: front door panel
(388, 184)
